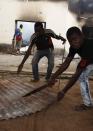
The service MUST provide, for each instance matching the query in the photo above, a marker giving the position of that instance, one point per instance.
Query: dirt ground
(60, 116)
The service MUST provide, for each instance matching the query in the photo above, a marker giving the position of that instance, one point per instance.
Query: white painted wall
(55, 14)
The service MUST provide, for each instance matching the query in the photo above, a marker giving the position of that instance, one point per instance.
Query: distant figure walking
(17, 38)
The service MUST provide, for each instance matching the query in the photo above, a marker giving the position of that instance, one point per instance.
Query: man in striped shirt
(42, 39)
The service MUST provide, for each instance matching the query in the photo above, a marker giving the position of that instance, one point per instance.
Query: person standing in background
(17, 39)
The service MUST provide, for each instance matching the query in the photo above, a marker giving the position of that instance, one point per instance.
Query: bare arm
(70, 83)
(27, 54)
(72, 80)
(25, 58)
(58, 37)
(62, 68)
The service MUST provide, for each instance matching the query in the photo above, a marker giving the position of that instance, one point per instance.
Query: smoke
(43, 0)
(81, 6)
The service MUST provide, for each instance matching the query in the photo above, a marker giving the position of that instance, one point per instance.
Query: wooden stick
(36, 90)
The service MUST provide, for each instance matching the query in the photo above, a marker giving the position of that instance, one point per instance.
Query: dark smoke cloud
(43, 0)
(80, 6)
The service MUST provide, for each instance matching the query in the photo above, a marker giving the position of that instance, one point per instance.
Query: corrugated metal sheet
(12, 102)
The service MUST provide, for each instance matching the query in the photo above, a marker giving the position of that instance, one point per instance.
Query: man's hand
(19, 68)
(64, 41)
(60, 95)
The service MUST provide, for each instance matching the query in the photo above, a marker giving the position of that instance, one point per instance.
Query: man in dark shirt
(42, 39)
(84, 48)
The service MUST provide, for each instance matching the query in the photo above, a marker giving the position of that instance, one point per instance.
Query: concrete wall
(55, 14)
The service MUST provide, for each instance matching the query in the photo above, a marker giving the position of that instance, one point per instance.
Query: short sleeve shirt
(43, 41)
(85, 52)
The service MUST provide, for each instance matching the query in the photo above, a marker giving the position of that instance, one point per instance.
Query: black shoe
(82, 107)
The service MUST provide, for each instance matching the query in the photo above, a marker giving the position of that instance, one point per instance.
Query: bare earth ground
(61, 116)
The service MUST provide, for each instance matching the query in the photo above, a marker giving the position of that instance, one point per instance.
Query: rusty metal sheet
(12, 104)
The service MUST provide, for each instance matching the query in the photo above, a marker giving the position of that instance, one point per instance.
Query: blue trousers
(84, 85)
(36, 58)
